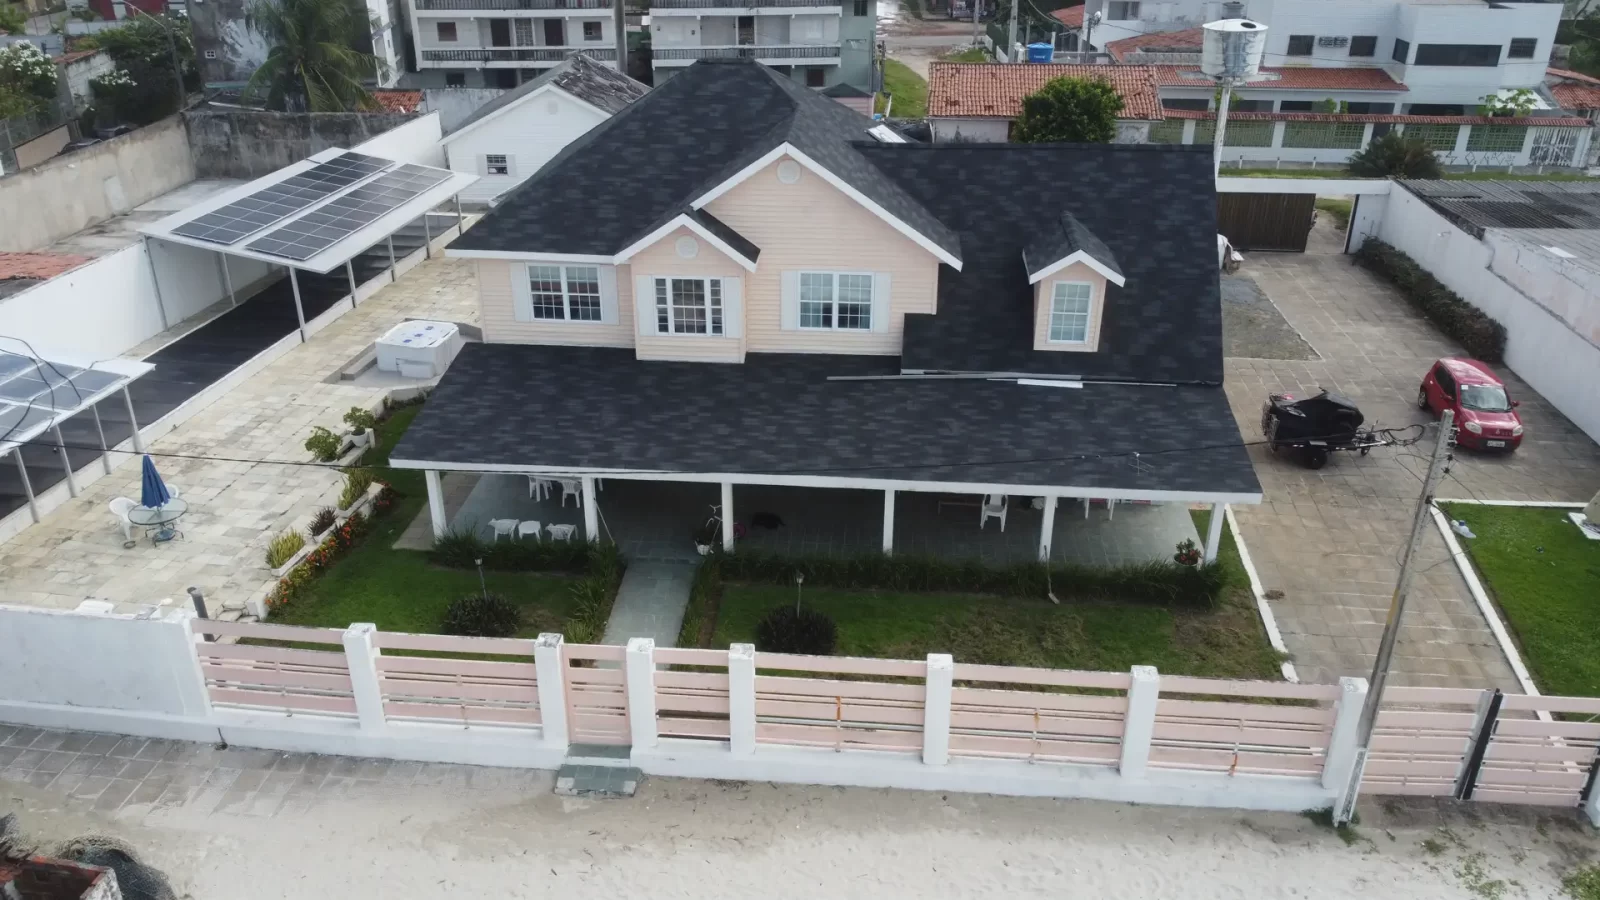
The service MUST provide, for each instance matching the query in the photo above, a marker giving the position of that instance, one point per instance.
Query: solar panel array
(320, 229)
(33, 391)
(243, 217)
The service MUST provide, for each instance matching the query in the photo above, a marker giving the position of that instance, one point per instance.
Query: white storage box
(419, 348)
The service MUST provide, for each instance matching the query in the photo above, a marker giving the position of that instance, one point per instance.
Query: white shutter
(644, 301)
(483, 164)
(733, 307)
(521, 295)
(608, 295)
(880, 301)
(789, 300)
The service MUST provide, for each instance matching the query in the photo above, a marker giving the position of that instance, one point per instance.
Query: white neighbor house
(510, 138)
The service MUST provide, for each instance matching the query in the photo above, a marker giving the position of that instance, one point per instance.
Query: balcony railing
(809, 51)
(468, 5)
(737, 4)
(513, 54)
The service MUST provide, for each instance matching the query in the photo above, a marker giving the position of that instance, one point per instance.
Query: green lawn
(1227, 641)
(969, 55)
(1339, 209)
(910, 90)
(1545, 577)
(400, 590)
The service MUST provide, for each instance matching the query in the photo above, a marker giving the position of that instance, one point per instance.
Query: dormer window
(1070, 307)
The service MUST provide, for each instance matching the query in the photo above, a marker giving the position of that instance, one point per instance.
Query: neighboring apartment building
(504, 43)
(508, 139)
(738, 281)
(819, 43)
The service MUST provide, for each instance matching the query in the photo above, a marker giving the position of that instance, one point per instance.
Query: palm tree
(311, 67)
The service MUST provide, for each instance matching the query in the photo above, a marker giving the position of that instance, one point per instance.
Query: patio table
(160, 518)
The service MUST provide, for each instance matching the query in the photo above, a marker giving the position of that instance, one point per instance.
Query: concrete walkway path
(650, 603)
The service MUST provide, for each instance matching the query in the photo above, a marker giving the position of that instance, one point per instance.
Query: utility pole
(977, 32)
(619, 24)
(1222, 126)
(1011, 35)
(1397, 607)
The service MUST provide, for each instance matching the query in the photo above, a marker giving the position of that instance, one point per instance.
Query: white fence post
(360, 653)
(1591, 807)
(936, 709)
(550, 680)
(1140, 724)
(639, 676)
(742, 699)
(1337, 767)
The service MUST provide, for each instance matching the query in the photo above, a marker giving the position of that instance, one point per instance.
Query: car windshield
(1485, 398)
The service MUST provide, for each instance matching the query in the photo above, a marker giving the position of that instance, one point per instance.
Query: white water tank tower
(1233, 48)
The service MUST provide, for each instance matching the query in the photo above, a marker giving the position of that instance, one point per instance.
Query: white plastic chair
(571, 487)
(120, 507)
(526, 528)
(538, 488)
(994, 507)
(506, 527)
(561, 532)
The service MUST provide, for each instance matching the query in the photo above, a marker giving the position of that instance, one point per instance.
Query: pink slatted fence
(853, 715)
(466, 692)
(597, 695)
(1020, 724)
(1536, 762)
(692, 704)
(1242, 736)
(1421, 741)
(275, 679)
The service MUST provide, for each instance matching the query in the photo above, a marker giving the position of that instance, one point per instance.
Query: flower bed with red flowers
(334, 547)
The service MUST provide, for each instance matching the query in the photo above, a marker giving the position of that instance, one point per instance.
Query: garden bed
(1545, 578)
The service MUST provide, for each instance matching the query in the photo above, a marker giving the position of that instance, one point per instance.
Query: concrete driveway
(1330, 540)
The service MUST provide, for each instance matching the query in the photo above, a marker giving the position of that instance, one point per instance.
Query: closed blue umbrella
(153, 491)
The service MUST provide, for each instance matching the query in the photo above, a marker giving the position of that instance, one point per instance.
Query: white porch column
(727, 517)
(591, 513)
(742, 699)
(436, 503)
(1140, 724)
(639, 677)
(361, 653)
(936, 709)
(550, 681)
(888, 522)
(1047, 529)
(1219, 512)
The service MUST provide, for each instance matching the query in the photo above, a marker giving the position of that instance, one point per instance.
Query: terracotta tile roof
(1576, 96)
(1571, 75)
(74, 56)
(38, 265)
(1072, 16)
(398, 101)
(995, 90)
(1559, 121)
(1292, 78)
(1188, 40)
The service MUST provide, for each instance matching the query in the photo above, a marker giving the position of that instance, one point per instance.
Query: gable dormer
(1069, 268)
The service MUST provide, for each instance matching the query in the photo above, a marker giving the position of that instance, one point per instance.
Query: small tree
(27, 80)
(12, 19)
(1519, 102)
(1395, 156)
(1070, 110)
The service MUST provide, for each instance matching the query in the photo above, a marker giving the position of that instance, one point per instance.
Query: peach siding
(1045, 289)
(812, 225)
(661, 259)
(499, 315)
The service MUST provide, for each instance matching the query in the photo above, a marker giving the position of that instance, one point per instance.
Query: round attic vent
(688, 247)
(788, 171)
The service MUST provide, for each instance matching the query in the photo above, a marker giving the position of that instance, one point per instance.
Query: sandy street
(493, 833)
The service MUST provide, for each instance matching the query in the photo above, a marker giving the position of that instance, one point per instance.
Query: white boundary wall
(1546, 304)
(417, 141)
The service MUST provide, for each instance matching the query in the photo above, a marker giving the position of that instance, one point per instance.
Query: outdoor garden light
(481, 583)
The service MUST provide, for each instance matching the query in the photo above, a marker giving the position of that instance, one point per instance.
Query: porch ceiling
(777, 419)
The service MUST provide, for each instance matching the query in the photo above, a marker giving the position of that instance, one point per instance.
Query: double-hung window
(1070, 306)
(570, 293)
(836, 300)
(496, 164)
(689, 306)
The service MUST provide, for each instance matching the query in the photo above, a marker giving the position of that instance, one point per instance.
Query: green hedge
(1163, 583)
(458, 550)
(1471, 327)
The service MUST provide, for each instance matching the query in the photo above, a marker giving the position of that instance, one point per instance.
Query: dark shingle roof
(740, 244)
(1477, 205)
(593, 82)
(601, 408)
(644, 166)
(1153, 206)
(1055, 242)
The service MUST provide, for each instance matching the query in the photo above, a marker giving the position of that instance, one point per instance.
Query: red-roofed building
(1072, 16)
(979, 101)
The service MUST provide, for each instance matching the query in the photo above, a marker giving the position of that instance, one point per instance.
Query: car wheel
(1422, 399)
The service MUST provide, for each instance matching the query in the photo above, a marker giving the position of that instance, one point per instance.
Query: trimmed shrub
(481, 615)
(323, 445)
(1472, 328)
(356, 482)
(458, 549)
(323, 520)
(788, 630)
(283, 547)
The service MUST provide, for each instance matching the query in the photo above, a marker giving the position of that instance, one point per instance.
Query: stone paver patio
(220, 460)
(1330, 540)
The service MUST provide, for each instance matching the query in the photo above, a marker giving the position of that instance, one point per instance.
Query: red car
(1486, 418)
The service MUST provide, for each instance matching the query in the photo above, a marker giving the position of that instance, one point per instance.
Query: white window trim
(584, 31)
(1088, 321)
(833, 301)
(705, 281)
(566, 295)
(511, 167)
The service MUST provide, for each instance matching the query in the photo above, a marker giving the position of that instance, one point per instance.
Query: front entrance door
(555, 33)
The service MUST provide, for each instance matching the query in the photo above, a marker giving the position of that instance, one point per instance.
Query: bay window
(570, 293)
(836, 301)
(689, 306)
(1069, 312)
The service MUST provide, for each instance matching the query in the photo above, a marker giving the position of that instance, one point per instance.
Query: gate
(597, 695)
(1266, 221)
